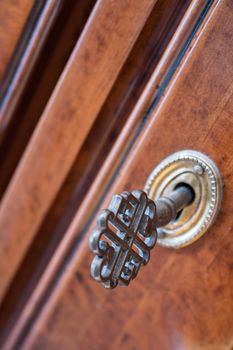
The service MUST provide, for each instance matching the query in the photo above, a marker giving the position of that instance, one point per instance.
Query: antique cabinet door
(183, 299)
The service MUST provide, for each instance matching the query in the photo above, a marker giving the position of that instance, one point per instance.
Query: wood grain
(29, 45)
(72, 109)
(182, 298)
(22, 110)
(13, 15)
(109, 124)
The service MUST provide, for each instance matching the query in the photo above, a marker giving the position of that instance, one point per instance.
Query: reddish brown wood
(22, 111)
(29, 44)
(13, 15)
(182, 298)
(137, 69)
(68, 117)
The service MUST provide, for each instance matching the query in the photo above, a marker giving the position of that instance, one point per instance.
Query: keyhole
(183, 184)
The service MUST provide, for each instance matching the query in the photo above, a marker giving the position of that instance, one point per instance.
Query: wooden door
(183, 299)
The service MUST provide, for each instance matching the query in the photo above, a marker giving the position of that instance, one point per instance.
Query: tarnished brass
(202, 175)
(184, 194)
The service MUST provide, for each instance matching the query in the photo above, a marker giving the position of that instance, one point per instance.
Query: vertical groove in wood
(35, 31)
(145, 55)
(75, 227)
(90, 73)
(12, 19)
(174, 302)
(39, 84)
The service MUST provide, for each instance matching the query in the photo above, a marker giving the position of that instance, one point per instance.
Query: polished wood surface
(58, 19)
(182, 299)
(29, 44)
(183, 98)
(68, 24)
(13, 15)
(137, 69)
(147, 50)
(68, 117)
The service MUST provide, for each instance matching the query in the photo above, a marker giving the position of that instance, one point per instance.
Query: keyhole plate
(201, 173)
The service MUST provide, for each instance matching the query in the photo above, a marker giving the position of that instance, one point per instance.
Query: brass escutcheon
(198, 171)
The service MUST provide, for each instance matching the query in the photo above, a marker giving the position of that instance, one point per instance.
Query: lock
(198, 172)
(180, 201)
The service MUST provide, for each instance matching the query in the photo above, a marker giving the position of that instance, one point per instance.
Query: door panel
(142, 60)
(183, 299)
(84, 83)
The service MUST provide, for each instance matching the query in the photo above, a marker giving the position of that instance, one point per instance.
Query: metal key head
(122, 239)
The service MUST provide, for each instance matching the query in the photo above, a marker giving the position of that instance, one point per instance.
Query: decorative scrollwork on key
(122, 239)
(185, 193)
